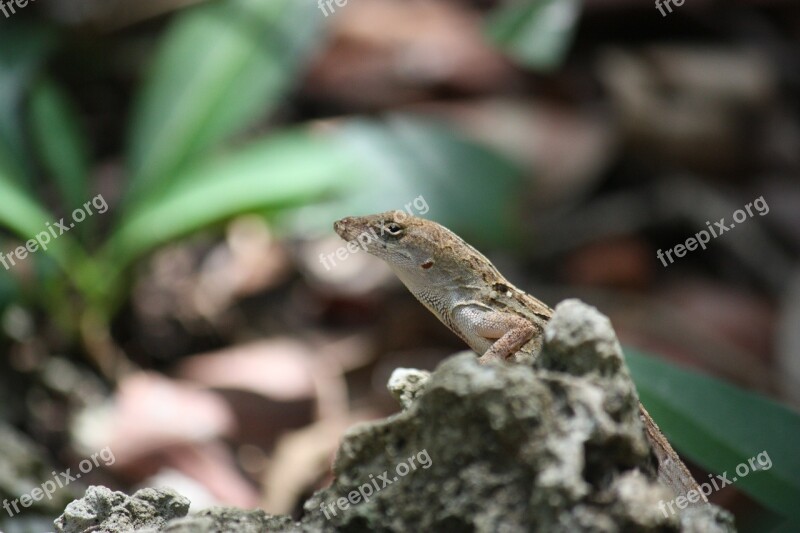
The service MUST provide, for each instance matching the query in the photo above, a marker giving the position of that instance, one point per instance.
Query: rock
(580, 341)
(511, 449)
(219, 519)
(102, 509)
(553, 447)
(406, 384)
(707, 518)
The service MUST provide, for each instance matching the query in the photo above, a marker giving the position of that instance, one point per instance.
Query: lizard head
(415, 248)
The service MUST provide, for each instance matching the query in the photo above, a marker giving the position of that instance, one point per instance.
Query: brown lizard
(467, 293)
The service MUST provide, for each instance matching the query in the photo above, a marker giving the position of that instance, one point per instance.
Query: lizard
(467, 293)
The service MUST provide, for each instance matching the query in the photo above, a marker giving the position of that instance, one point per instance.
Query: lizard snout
(346, 228)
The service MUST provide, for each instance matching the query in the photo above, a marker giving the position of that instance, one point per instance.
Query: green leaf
(455, 181)
(22, 49)
(24, 216)
(721, 426)
(284, 170)
(537, 33)
(60, 141)
(222, 66)
(21, 213)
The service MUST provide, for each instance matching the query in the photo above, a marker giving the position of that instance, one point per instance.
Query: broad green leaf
(281, 171)
(721, 426)
(462, 184)
(537, 33)
(222, 66)
(22, 49)
(22, 215)
(60, 142)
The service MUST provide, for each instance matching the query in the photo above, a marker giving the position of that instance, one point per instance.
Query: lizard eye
(393, 229)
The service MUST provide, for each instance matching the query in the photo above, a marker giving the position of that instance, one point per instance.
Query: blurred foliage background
(193, 327)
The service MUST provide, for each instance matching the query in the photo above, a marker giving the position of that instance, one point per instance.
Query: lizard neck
(440, 295)
(437, 284)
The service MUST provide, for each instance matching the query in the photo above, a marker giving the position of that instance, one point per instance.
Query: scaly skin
(456, 283)
(466, 292)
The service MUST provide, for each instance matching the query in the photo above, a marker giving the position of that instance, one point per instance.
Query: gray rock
(705, 518)
(580, 341)
(556, 447)
(219, 519)
(553, 447)
(511, 449)
(406, 384)
(102, 509)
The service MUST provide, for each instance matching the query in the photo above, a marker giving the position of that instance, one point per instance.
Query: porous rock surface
(224, 519)
(406, 384)
(102, 509)
(501, 448)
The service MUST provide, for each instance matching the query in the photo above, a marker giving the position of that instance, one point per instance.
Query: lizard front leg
(503, 333)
